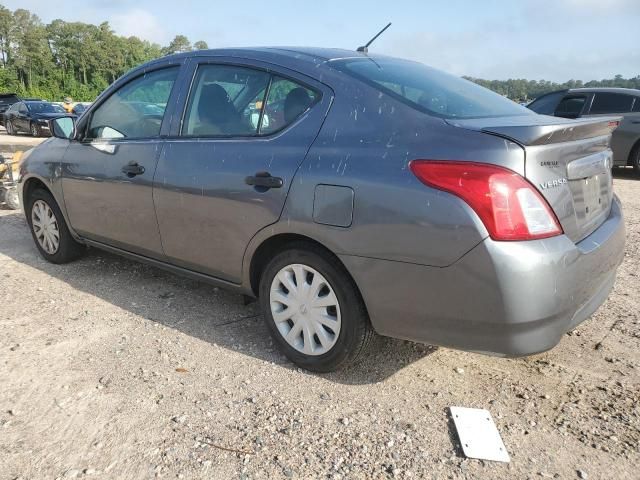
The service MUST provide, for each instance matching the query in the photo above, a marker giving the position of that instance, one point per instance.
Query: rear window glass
(430, 90)
(571, 106)
(546, 104)
(611, 103)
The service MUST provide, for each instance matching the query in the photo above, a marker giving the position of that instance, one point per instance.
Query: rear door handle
(265, 180)
(132, 169)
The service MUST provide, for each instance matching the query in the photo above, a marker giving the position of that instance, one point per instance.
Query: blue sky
(496, 39)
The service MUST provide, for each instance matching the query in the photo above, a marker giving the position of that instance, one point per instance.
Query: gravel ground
(112, 369)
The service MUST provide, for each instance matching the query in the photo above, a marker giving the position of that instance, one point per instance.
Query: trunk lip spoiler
(540, 132)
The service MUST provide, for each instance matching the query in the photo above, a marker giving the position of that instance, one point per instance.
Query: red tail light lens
(508, 205)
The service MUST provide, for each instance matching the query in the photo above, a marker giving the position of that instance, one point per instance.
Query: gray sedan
(352, 194)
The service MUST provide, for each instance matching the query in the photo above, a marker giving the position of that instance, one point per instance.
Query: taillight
(508, 205)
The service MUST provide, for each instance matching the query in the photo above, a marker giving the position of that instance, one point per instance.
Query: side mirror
(63, 127)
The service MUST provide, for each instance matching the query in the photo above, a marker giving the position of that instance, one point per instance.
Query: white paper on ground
(478, 434)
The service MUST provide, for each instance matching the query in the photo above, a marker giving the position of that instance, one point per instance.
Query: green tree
(200, 45)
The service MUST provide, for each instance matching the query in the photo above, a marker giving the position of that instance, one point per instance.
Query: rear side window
(606, 102)
(546, 104)
(636, 105)
(287, 101)
(571, 106)
(231, 101)
(136, 109)
(430, 90)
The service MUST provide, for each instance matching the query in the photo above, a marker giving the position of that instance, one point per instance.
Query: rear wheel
(10, 129)
(313, 309)
(49, 230)
(635, 159)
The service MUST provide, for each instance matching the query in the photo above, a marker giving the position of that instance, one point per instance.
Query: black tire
(11, 198)
(68, 249)
(355, 333)
(635, 159)
(10, 129)
(34, 129)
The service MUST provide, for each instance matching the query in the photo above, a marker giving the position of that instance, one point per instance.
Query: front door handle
(132, 169)
(265, 180)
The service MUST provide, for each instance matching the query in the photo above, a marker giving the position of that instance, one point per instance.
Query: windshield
(44, 107)
(430, 90)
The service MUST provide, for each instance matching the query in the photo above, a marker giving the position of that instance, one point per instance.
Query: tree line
(69, 59)
(522, 90)
(79, 60)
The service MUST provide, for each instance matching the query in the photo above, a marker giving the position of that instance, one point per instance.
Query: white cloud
(140, 23)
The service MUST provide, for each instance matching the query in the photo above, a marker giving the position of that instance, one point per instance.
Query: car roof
(302, 59)
(628, 91)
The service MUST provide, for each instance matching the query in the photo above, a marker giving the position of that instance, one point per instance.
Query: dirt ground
(112, 369)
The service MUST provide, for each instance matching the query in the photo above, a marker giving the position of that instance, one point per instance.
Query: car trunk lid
(568, 161)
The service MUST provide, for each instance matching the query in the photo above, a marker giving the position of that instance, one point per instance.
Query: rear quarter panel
(366, 144)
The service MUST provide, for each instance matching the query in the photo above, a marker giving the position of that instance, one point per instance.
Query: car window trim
(199, 61)
(100, 101)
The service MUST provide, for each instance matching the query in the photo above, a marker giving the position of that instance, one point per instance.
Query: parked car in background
(6, 100)
(31, 117)
(79, 108)
(368, 194)
(597, 102)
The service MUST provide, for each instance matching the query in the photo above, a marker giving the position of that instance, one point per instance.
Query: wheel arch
(634, 150)
(267, 247)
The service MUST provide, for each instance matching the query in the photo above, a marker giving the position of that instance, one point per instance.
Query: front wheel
(35, 130)
(49, 229)
(313, 309)
(10, 129)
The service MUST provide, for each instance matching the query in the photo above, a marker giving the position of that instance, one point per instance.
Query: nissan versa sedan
(352, 194)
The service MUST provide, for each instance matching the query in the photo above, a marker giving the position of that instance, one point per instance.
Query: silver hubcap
(305, 309)
(45, 226)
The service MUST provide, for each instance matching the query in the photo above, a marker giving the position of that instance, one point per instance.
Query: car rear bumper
(501, 298)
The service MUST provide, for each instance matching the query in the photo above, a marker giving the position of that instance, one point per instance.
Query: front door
(225, 172)
(107, 175)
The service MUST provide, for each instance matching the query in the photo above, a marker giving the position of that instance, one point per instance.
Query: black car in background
(6, 100)
(32, 117)
(595, 102)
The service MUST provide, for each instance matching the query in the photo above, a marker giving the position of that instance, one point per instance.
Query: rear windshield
(8, 99)
(430, 90)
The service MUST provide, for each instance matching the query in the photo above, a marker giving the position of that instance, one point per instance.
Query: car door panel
(104, 203)
(107, 179)
(207, 212)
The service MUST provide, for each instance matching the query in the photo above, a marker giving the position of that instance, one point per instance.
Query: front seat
(297, 101)
(216, 112)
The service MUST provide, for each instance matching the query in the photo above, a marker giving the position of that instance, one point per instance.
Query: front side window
(230, 101)
(546, 104)
(135, 110)
(430, 90)
(571, 106)
(606, 102)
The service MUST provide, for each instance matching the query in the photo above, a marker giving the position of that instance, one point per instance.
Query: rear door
(225, 172)
(628, 132)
